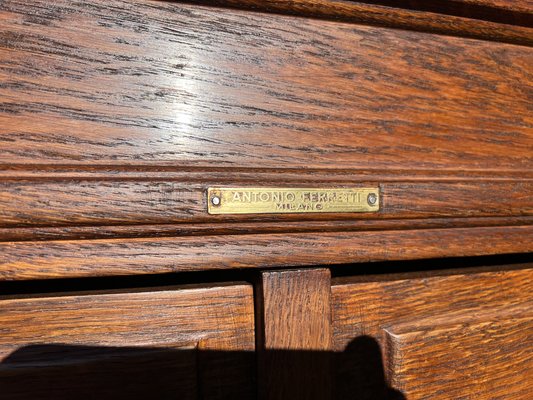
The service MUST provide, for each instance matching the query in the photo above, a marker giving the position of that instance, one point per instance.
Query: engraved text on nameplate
(245, 200)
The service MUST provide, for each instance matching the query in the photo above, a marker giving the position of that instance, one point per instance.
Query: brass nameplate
(247, 200)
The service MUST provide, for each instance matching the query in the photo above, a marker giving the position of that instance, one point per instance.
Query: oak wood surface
(149, 341)
(490, 358)
(478, 19)
(121, 202)
(294, 314)
(447, 335)
(516, 5)
(106, 257)
(199, 86)
(295, 307)
(502, 11)
(240, 228)
(116, 116)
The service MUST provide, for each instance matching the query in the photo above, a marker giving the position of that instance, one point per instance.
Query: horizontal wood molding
(516, 5)
(83, 258)
(70, 202)
(243, 173)
(477, 9)
(244, 228)
(484, 19)
(220, 314)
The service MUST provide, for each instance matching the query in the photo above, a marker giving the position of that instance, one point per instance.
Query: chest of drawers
(119, 119)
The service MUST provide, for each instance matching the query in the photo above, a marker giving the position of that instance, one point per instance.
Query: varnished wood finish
(522, 6)
(115, 118)
(253, 90)
(295, 307)
(210, 229)
(487, 359)
(124, 126)
(501, 11)
(93, 339)
(78, 202)
(83, 258)
(525, 6)
(445, 17)
(294, 314)
(457, 334)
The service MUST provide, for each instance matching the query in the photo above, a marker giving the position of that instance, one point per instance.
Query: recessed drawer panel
(180, 343)
(483, 356)
(436, 335)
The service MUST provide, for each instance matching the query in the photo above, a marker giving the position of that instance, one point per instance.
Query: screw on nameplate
(372, 199)
(272, 200)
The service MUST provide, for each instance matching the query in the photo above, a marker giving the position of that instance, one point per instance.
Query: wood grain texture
(487, 359)
(465, 331)
(363, 305)
(295, 307)
(525, 6)
(90, 172)
(71, 202)
(215, 315)
(243, 228)
(185, 85)
(466, 19)
(99, 340)
(500, 11)
(294, 314)
(143, 116)
(84, 258)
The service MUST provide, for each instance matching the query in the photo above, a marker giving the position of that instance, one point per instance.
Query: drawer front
(147, 115)
(461, 336)
(181, 343)
(253, 90)
(116, 130)
(488, 358)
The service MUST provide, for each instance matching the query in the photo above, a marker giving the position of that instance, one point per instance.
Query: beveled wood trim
(495, 364)
(436, 314)
(221, 314)
(191, 174)
(84, 258)
(392, 14)
(189, 342)
(522, 6)
(71, 202)
(244, 228)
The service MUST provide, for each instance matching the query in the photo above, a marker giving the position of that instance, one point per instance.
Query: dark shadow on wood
(61, 371)
(360, 373)
(463, 9)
